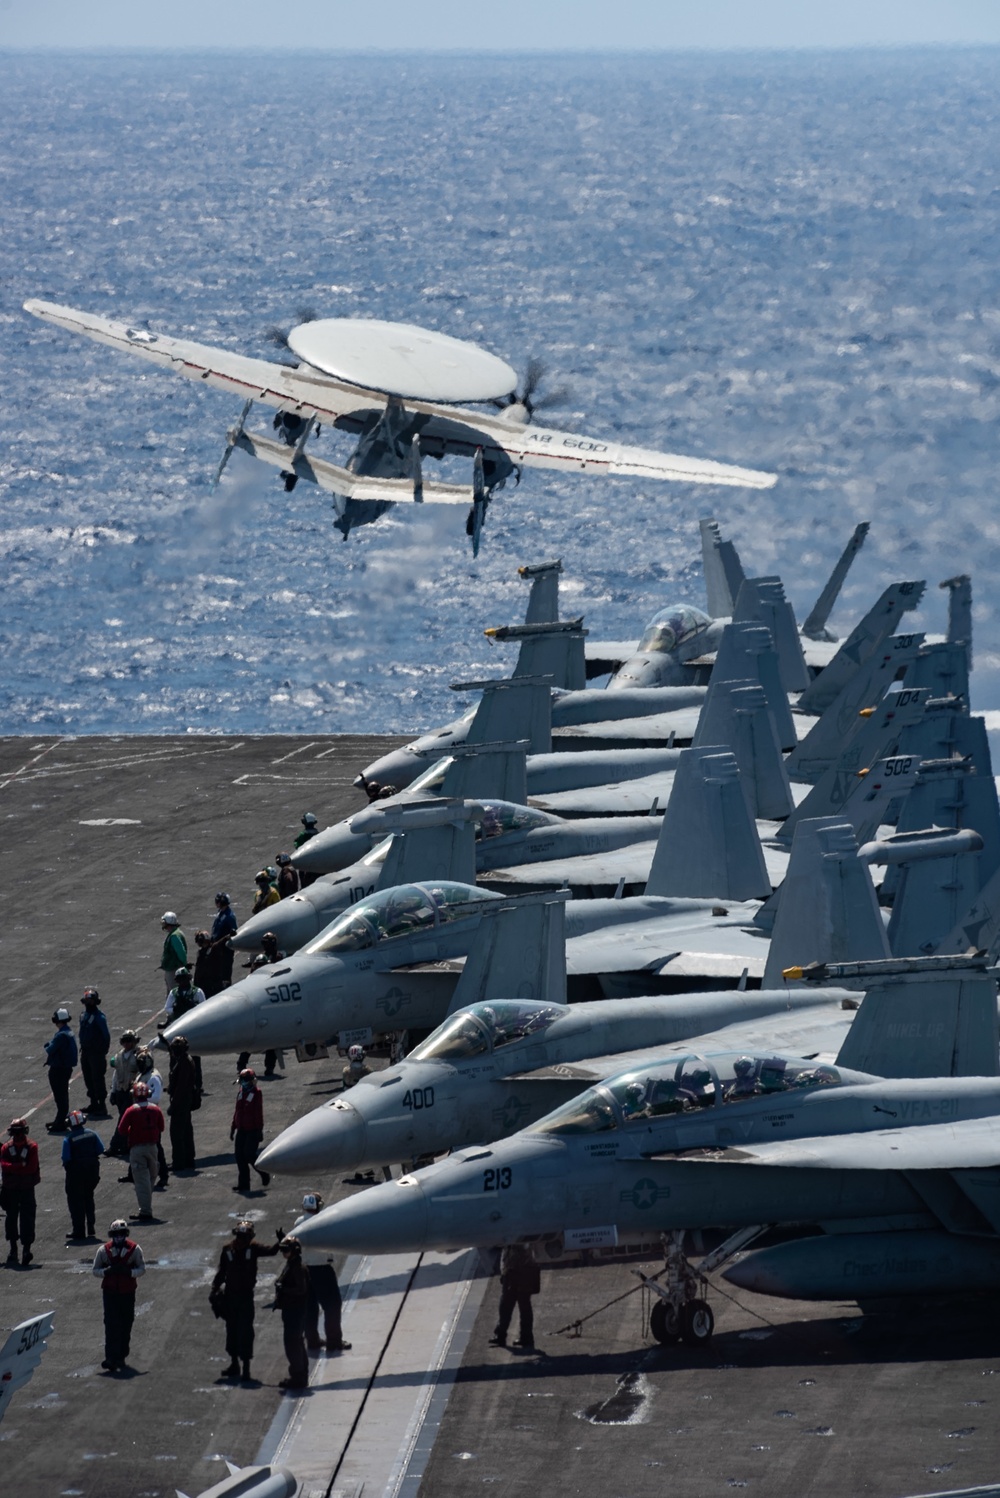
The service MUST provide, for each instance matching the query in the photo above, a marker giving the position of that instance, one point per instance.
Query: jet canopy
(672, 626)
(506, 816)
(685, 1085)
(400, 911)
(485, 1027)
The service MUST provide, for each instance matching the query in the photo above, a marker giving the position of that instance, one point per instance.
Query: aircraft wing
(445, 429)
(679, 945)
(971, 1144)
(21, 1355)
(594, 869)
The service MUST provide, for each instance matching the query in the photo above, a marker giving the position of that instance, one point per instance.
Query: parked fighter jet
(492, 1068)
(680, 641)
(505, 834)
(402, 391)
(351, 976)
(728, 1141)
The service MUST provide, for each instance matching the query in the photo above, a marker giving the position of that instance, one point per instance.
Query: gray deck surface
(808, 1400)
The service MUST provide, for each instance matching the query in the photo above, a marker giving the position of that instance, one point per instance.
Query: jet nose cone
(386, 1219)
(335, 848)
(225, 1023)
(293, 921)
(329, 1138)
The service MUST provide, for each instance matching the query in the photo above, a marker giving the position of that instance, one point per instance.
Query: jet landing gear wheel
(664, 1323)
(696, 1323)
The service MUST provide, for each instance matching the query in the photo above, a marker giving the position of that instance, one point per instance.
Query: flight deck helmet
(90, 997)
(61, 1016)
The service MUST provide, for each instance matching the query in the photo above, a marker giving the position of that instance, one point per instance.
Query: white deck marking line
(12, 776)
(85, 767)
(334, 749)
(293, 752)
(435, 1368)
(254, 776)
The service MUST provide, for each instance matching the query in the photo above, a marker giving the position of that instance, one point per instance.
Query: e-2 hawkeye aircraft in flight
(405, 393)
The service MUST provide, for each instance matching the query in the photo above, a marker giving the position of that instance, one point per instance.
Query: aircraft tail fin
(938, 879)
(746, 652)
(843, 722)
(492, 770)
(826, 905)
(736, 713)
(921, 1017)
(554, 650)
(543, 600)
(432, 839)
(949, 793)
(877, 625)
(815, 626)
(978, 928)
(21, 1354)
(512, 708)
(708, 843)
(721, 598)
(520, 953)
(960, 612)
(762, 600)
(944, 668)
(947, 731)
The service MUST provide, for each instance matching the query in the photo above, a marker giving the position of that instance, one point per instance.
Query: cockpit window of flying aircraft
(504, 816)
(672, 626)
(485, 1027)
(397, 912)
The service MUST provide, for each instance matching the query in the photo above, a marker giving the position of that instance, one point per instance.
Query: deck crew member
(118, 1264)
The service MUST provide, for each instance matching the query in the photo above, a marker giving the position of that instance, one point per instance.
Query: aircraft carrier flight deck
(101, 835)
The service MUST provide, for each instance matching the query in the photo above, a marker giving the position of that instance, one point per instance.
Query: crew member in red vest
(19, 1175)
(118, 1264)
(141, 1127)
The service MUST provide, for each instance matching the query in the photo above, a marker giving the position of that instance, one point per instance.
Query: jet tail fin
(432, 839)
(492, 770)
(736, 713)
(519, 953)
(762, 600)
(512, 708)
(826, 904)
(543, 600)
(21, 1354)
(877, 625)
(944, 668)
(708, 843)
(746, 651)
(815, 626)
(841, 726)
(921, 1017)
(723, 572)
(555, 650)
(960, 612)
(938, 878)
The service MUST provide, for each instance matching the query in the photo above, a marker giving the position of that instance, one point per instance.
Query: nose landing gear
(680, 1312)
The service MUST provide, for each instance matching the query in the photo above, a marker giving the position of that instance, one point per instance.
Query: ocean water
(786, 261)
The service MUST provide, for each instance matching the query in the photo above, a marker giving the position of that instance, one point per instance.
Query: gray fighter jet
(736, 1140)
(360, 974)
(493, 1068)
(680, 641)
(505, 834)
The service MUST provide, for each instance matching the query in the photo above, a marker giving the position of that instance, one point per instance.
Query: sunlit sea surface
(789, 262)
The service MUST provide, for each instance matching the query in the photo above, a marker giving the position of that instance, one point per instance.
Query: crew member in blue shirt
(60, 1059)
(81, 1157)
(95, 1043)
(223, 927)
